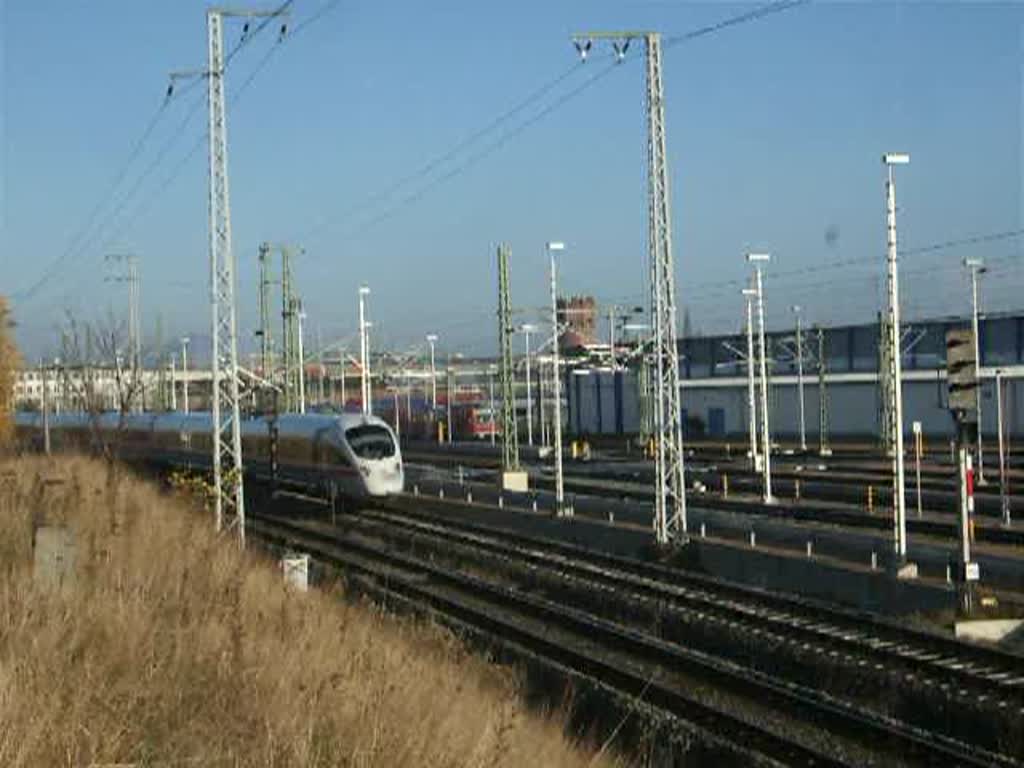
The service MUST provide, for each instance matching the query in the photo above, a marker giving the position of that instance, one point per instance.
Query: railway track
(632, 661)
(836, 510)
(939, 495)
(804, 509)
(979, 667)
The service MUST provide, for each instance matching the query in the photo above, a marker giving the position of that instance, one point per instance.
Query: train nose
(384, 478)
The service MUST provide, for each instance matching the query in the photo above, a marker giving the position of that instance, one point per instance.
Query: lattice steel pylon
(131, 277)
(291, 305)
(265, 333)
(670, 486)
(509, 425)
(670, 489)
(229, 500)
(823, 447)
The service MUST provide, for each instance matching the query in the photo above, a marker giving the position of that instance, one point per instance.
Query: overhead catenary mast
(509, 425)
(669, 491)
(229, 500)
(265, 333)
(823, 447)
(131, 277)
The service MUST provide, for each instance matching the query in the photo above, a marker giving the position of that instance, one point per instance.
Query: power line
(201, 139)
(531, 99)
(720, 287)
(91, 219)
(431, 165)
(81, 244)
(482, 154)
(757, 13)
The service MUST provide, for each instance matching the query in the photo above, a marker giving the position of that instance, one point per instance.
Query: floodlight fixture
(896, 158)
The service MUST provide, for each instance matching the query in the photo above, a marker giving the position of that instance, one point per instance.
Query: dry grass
(170, 648)
(10, 361)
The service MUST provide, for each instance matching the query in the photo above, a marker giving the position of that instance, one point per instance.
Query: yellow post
(440, 431)
(871, 498)
(725, 486)
(796, 489)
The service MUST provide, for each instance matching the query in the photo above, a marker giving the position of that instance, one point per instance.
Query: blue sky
(775, 130)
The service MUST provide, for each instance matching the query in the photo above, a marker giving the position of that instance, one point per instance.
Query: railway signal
(962, 400)
(962, 374)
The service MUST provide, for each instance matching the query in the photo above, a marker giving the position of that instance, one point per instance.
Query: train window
(370, 442)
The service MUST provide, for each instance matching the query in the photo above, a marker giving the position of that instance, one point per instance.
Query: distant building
(67, 387)
(579, 315)
(714, 382)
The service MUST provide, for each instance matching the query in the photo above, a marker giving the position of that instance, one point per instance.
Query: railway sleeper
(890, 692)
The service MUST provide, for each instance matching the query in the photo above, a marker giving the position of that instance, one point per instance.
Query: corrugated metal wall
(603, 402)
(608, 403)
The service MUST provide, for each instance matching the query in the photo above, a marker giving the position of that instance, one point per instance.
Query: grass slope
(169, 647)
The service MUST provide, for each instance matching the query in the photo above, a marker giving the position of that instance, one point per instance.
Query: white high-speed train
(359, 455)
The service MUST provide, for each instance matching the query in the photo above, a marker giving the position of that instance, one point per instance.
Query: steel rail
(922, 746)
(855, 629)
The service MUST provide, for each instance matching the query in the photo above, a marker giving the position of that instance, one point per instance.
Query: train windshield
(370, 442)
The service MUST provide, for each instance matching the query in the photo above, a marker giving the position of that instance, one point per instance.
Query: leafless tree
(94, 374)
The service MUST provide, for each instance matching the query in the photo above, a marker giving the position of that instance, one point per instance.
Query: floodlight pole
(1004, 494)
(302, 365)
(184, 372)
(431, 340)
(527, 329)
(755, 459)
(364, 352)
(174, 388)
(560, 508)
(895, 372)
(976, 266)
(45, 406)
(823, 449)
(800, 378)
(766, 446)
(449, 388)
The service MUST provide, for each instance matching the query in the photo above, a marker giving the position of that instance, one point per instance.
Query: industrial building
(714, 382)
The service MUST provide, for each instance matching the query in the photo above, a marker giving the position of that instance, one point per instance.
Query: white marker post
(917, 456)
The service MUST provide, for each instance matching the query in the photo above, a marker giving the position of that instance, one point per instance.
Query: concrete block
(518, 482)
(53, 563)
(907, 571)
(989, 630)
(296, 571)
